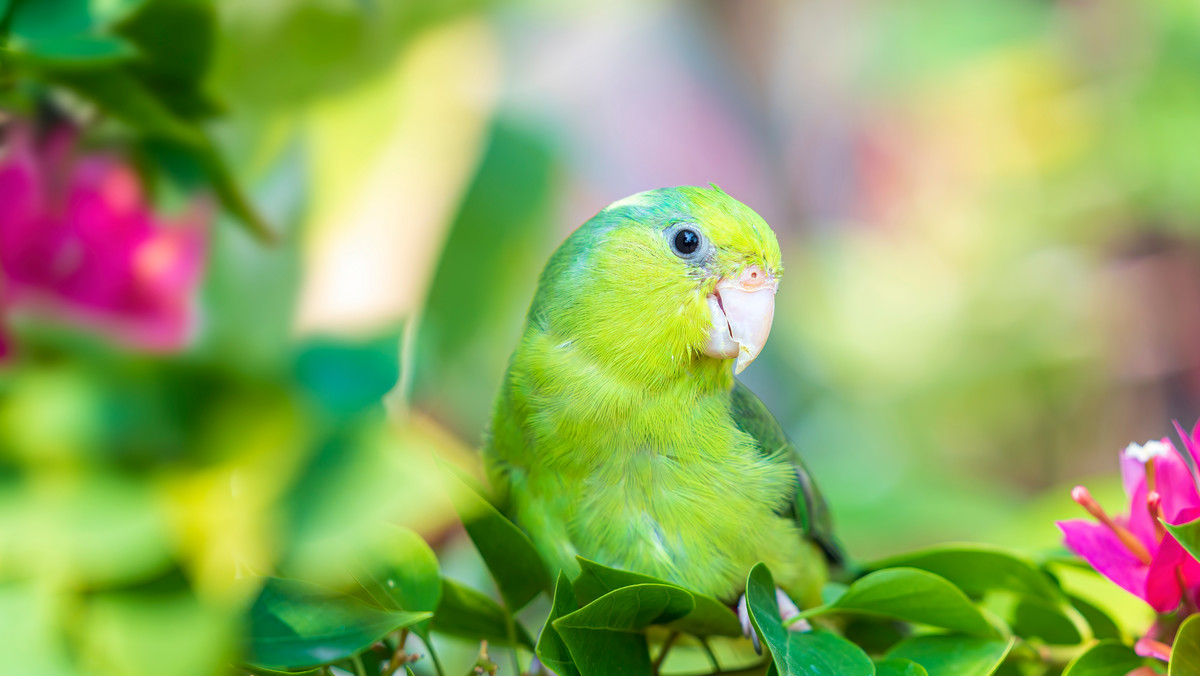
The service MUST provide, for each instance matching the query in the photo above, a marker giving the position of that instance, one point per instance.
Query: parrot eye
(686, 242)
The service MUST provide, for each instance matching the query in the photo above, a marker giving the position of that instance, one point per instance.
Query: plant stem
(662, 656)
(712, 657)
(359, 669)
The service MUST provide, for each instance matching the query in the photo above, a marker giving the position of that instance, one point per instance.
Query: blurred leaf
(299, 624)
(32, 644)
(815, 653)
(181, 147)
(53, 19)
(605, 637)
(954, 655)
(912, 595)
(1106, 658)
(899, 667)
(75, 51)
(469, 614)
(875, 635)
(1102, 625)
(301, 35)
(1031, 617)
(261, 671)
(708, 617)
(136, 634)
(497, 245)
(175, 38)
(978, 568)
(1185, 652)
(405, 577)
(349, 376)
(510, 556)
(551, 649)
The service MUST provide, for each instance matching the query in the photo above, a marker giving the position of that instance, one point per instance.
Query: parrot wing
(808, 507)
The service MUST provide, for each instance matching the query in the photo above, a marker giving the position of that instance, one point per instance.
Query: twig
(662, 656)
(712, 657)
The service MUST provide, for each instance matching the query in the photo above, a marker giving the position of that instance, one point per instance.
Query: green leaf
(53, 19)
(262, 671)
(952, 655)
(1106, 658)
(407, 578)
(976, 569)
(914, 596)
(74, 51)
(1185, 653)
(551, 649)
(180, 146)
(176, 38)
(510, 556)
(1102, 625)
(346, 376)
(299, 624)
(899, 667)
(1032, 617)
(813, 653)
(605, 637)
(708, 617)
(1188, 535)
(470, 614)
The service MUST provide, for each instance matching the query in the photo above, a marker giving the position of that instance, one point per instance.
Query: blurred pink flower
(1134, 550)
(79, 243)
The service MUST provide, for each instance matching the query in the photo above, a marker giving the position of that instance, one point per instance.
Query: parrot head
(664, 280)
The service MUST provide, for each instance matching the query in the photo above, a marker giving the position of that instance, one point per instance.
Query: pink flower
(79, 243)
(1133, 549)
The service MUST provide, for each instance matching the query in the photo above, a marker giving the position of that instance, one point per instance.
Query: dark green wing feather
(808, 506)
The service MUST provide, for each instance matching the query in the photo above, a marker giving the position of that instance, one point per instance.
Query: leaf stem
(712, 657)
(662, 656)
(359, 669)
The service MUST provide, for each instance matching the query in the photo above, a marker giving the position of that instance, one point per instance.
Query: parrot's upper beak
(742, 310)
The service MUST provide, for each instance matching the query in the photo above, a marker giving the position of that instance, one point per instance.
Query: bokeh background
(988, 213)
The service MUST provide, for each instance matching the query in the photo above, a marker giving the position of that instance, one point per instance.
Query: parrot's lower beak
(742, 310)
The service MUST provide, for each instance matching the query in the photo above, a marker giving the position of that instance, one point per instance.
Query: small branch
(662, 656)
(359, 669)
(712, 657)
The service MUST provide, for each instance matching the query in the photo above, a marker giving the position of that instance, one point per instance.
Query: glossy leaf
(814, 653)
(708, 617)
(510, 556)
(551, 649)
(470, 614)
(298, 624)
(953, 655)
(1188, 535)
(1106, 658)
(408, 577)
(605, 637)
(899, 667)
(1185, 653)
(976, 569)
(914, 596)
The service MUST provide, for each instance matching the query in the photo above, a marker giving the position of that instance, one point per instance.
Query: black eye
(687, 241)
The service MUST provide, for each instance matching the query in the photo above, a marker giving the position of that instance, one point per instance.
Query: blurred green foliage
(989, 229)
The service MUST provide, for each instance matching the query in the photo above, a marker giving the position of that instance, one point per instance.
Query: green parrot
(620, 433)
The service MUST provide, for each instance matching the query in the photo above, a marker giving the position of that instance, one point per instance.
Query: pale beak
(742, 310)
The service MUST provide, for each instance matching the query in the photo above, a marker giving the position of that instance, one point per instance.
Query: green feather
(615, 438)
